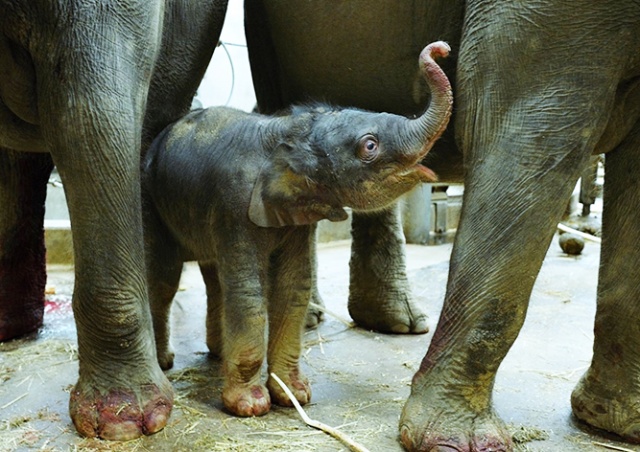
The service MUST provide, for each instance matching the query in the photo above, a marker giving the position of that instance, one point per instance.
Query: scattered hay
(215, 443)
(46, 415)
(6, 373)
(42, 353)
(31, 432)
(17, 422)
(97, 445)
(18, 433)
(278, 432)
(190, 375)
(522, 434)
(586, 443)
(188, 410)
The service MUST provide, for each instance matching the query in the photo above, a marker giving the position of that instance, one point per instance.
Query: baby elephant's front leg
(290, 292)
(243, 344)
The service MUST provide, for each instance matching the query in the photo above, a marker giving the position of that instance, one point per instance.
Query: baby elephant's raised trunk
(422, 132)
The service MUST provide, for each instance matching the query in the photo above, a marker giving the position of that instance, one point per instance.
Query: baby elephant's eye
(368, 148)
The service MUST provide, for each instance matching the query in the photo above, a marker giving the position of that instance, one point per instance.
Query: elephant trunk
(423, 131)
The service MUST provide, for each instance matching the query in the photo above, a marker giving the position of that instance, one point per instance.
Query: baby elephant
(241, 193)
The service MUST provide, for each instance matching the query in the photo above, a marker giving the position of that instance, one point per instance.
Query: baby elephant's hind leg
(163, 277)
(209, 273)
(290, 291)
(315, 315)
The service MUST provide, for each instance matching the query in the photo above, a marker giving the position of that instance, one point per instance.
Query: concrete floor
(360, 379)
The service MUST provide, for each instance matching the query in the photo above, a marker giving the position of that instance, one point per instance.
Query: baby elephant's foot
(246, 399)
(165, 358)
(608, 406)
(297, 383)
(315, 315)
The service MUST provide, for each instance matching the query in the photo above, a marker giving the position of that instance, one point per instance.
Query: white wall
(221, 85)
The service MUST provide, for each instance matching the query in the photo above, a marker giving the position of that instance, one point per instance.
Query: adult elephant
(79, 81)
(540, 86)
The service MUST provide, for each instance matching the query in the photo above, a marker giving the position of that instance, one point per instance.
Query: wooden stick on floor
(337, 434)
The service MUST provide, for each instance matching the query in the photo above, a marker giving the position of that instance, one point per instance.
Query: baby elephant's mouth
(420, 172)
(413, 168)
(426, 174)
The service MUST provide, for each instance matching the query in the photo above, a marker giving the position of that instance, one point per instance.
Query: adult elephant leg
(492, 270)
(525, 140)
(93, 125)
(23, 188)
(379, 294)
(608, 395)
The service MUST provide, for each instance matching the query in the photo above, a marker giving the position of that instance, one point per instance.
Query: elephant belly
(18, 135)
(19, 120)
(624, 115)
(18, 81)
(353, 53)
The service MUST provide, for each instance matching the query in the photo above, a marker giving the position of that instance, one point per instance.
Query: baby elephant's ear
(281, 198)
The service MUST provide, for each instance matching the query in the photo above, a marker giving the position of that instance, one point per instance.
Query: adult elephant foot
(17, 321)
(435, 419)
(121, 413)
(386, 307)
(608, 404)
(20, 318)
(379, 294)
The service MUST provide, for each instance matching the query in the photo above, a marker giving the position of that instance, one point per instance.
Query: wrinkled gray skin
(83, 85)
(241, 193)
(540, 87)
